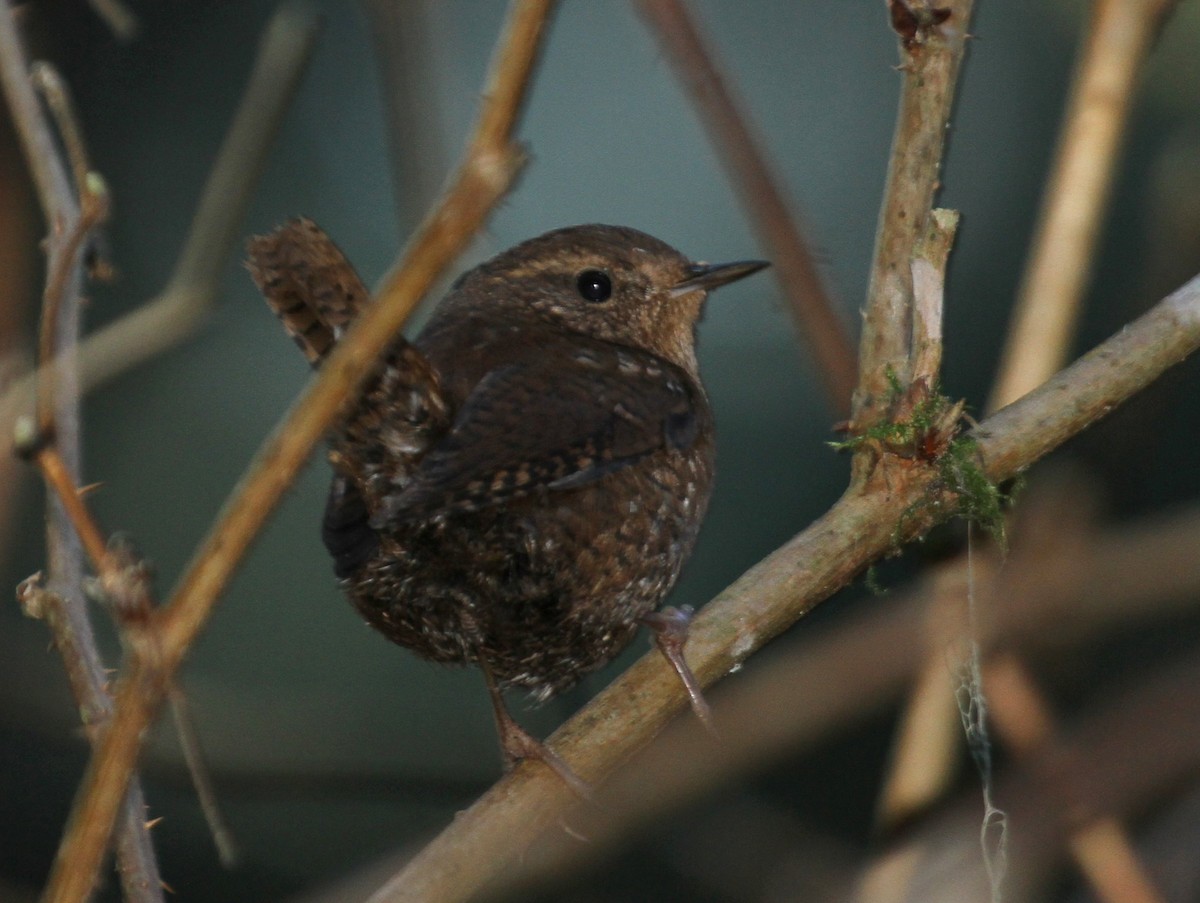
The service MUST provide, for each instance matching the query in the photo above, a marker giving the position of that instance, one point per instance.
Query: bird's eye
(594, 285)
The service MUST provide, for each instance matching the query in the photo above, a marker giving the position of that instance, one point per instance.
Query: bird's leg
(670, 628)
(516, 743)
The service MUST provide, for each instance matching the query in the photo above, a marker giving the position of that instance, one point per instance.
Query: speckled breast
(547, 587)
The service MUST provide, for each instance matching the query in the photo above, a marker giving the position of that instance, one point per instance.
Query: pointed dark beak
(708, 276)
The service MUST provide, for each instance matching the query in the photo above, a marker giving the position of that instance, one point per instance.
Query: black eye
(594, 285)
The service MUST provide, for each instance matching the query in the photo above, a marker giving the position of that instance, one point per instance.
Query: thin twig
(192, 288)
(931, 55)
(489, 837)
(88, 210)
(193, 757)
(1039, 341)
(795, 265)
(58, 478)
(67, 226)
(490, 167)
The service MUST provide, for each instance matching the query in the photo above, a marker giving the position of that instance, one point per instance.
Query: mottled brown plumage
(521, 484)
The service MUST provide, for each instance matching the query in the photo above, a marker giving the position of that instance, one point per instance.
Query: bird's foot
(670, 628)
(516, 744)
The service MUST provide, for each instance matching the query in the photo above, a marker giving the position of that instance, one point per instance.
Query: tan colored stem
(68, 226)
(1048, 302)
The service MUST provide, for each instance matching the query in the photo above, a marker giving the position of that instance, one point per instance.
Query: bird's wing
(555, 422)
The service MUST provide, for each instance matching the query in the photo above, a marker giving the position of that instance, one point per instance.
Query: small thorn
(572, 833)
(152, 823)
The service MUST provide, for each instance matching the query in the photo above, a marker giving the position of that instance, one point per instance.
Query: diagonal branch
(795, 265)
(491, 165)
(488, 838)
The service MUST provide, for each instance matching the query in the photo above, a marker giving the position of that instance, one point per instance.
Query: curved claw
(670, 628)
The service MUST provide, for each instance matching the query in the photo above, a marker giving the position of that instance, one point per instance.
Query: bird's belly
(543, 589)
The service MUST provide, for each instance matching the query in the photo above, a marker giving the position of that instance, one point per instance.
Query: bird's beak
(708, 276)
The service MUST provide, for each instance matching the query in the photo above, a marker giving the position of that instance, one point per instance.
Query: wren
(519, 486)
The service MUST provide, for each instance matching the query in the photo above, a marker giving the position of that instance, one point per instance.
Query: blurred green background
(330, 747)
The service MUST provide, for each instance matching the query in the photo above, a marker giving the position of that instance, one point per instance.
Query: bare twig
(1100, 846)
(931, 54)
(195, 281)
(1048, 302)
(119, 17)
(68, 226)
(189, 742)
(487, 838)
(795, 266)
(404, 50)
(77, 215)
(491, 165)
(58, 478)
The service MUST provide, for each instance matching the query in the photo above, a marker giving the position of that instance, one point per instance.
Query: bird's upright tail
(308, 282)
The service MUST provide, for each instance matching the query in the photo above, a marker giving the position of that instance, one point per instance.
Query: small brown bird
(520, 486)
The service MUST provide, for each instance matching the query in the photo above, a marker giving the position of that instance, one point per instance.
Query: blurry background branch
(813, 308)
(190, 292)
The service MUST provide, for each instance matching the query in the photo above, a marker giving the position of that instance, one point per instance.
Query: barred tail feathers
(308, 282)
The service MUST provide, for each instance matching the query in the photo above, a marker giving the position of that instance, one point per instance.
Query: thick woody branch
(489, 837)
(491, 166)
(850, 670)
